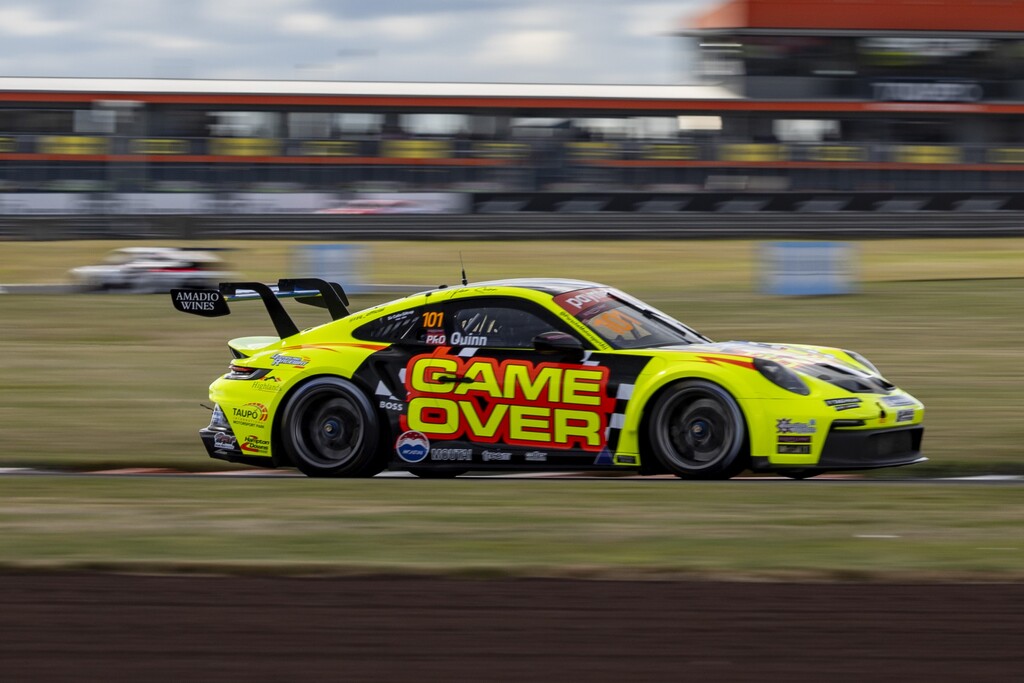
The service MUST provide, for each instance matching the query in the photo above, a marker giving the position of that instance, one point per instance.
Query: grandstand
(801, 95)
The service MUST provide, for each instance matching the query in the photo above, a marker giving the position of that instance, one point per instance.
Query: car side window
(483, 321)
(396, 327)
(475, 323)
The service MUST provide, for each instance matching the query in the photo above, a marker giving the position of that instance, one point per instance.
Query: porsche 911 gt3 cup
(538, 374)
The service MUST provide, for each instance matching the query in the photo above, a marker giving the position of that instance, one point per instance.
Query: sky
(518, 41)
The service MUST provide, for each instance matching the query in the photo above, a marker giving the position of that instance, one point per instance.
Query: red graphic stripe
(326, 346)
(747, 363)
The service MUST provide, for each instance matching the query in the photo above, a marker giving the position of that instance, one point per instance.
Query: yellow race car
(538, 374)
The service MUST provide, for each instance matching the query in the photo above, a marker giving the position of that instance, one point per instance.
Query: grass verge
(611, 529)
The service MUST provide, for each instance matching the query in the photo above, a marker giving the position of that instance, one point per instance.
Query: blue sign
(807, 268)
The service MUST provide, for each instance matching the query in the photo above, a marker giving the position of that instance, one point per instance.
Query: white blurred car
(366, 207)
(153, 269)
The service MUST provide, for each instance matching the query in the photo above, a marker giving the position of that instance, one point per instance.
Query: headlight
(781, 376)
(864, 361)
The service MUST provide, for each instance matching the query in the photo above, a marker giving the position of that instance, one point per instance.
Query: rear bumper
(222, 445)
(862, 450)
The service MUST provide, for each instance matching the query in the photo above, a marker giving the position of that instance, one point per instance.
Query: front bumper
(861, 449)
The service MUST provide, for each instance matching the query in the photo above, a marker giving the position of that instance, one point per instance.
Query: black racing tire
(436, 473)
(329, 429)
(697, 431)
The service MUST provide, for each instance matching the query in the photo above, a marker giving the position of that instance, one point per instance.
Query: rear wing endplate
(213, 303)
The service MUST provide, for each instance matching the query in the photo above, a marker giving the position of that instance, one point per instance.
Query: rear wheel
(329, 429)
(697, 431)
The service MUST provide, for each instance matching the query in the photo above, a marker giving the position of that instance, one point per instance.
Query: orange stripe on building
(865, 15)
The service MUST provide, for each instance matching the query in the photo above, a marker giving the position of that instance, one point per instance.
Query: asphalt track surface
(80, 627)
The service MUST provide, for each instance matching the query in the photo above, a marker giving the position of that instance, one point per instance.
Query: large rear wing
(213, 303)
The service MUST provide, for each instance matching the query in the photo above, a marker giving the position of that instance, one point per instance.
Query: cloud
(311, 24)
(528, 48)
(408, 27)
(248, 13)
(652, 19)
(401, 28)
(26, 22)
(585, 41)
(533, 17)
(159, 41)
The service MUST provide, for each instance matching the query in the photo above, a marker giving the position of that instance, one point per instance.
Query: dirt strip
(84, 627)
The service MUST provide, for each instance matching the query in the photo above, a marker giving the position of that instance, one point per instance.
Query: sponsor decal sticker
(497, 456)
(205, 302)
(400, 315)
(552, 405)
(898, 401)
(451, 454)
(294, 361)
(412, 446)
(788, 438)
(536, 456)
(224, 441)
(788, 426)
(625, 459)
(436, 337)
(459, 339)
(841, 404)
(251, 414)
(256, 445)
(396, 406)
(574, 302)
(271, 384)
(785, 449)
(905, 416)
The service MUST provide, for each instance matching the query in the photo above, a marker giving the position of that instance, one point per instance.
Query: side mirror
(558, 342)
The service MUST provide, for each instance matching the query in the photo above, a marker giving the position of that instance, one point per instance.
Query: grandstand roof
(995, 16)
(122, 88)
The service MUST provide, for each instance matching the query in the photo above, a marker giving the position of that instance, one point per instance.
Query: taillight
(243, 372)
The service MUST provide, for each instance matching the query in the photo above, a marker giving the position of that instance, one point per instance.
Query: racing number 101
(433, 319)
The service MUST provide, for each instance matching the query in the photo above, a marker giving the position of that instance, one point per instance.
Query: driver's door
(485, 390)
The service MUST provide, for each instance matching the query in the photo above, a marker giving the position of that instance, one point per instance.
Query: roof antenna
(463, 264)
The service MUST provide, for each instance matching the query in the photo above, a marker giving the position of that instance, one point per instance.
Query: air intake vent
(851, 380)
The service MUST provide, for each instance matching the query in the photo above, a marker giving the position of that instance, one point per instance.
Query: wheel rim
(329, 429)
(699, 432)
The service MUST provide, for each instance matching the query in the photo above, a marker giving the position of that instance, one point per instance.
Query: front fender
(740, 379)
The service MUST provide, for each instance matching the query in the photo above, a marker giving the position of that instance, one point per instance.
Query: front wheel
(329, 429)
(697, 431)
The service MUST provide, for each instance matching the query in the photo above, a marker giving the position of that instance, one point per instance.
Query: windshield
(625, 322)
